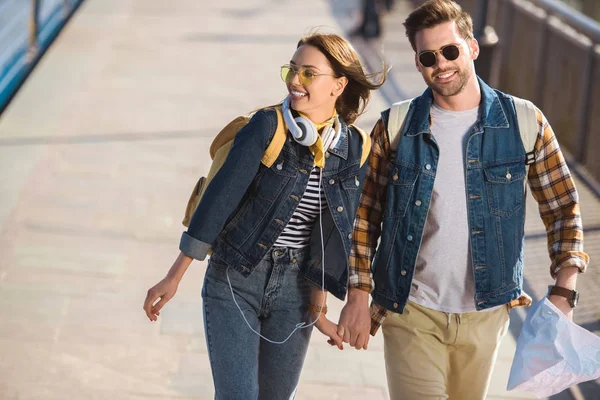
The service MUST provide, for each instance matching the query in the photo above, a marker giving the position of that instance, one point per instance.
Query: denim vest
(247, 205)
(495, 195)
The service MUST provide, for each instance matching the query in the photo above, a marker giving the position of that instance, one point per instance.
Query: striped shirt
(549, 180)
(297, 232)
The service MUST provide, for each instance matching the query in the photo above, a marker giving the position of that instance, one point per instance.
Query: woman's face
(313, 87)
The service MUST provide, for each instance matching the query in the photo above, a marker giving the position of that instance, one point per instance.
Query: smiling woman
(280, 232)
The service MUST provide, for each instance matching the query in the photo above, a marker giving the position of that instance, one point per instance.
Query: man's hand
(563, 305)
(355, 320)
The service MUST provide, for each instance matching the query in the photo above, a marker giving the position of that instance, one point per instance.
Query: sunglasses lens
(451, 52)
(286, 73)
(306, 77)
(427, 59)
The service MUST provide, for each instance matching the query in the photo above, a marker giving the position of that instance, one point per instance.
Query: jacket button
(403, 272)
(340, 209)
(395, 305)
(427, 167)
(349, 236)
(327, 155)
(280, 166)
(331, 181)
(409, 238)
(418, 203)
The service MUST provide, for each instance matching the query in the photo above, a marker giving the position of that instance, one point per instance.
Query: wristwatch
(571, 295)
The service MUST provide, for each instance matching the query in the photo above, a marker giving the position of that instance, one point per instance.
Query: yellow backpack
(222, 144)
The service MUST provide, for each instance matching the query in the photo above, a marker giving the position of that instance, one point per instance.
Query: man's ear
(474, 47)
(417, 63)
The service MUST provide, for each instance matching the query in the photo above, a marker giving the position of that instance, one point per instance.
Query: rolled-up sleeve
(229, 185)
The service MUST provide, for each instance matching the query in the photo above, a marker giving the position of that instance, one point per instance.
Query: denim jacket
(495, 194)
(247, 205)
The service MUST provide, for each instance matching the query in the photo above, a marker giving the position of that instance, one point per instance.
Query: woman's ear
(339, 86)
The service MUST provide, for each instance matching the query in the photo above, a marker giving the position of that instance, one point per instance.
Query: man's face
(446, 77)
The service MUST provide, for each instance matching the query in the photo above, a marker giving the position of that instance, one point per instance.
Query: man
(448, 206)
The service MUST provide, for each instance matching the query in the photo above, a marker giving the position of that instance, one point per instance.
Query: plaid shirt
(551, 185)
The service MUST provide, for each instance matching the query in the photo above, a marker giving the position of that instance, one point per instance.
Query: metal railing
(549, 53)
(27, 28)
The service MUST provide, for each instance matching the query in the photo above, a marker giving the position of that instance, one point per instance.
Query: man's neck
(468, 99)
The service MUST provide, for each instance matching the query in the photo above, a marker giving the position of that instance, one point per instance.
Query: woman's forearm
(318, 297)
(179, 267)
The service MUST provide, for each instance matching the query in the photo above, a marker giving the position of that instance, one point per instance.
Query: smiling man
(439, 236)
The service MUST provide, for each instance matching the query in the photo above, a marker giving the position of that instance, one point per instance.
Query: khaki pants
(431, 355)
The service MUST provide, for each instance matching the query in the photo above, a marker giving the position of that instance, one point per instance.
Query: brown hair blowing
(344, 61)
(435, 12)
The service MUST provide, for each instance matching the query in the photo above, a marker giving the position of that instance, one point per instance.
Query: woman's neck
(321, 120)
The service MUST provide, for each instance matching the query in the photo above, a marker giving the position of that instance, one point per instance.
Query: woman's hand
(328, 328)
(165, 290)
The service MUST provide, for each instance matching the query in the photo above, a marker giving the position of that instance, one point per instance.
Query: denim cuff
(193, 247)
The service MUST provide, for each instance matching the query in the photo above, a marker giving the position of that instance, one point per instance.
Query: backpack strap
(398, 113)
(227, 134)
(277, 142)
(366, 144)
(528, 128)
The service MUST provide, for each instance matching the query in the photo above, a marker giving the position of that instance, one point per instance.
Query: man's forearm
(567, 277)
(358, 295)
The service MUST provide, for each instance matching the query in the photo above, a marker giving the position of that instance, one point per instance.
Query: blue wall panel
(15, 17)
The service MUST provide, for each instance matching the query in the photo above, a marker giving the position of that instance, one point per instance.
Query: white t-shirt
(443, 277)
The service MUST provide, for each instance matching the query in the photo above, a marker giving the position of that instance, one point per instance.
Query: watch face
(575, 299)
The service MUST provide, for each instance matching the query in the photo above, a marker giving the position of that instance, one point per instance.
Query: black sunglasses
(428, 58)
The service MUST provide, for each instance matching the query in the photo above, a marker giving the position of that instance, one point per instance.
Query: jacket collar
(491, 113)
(341, 147)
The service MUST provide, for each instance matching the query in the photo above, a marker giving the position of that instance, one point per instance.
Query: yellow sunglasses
(305, 75)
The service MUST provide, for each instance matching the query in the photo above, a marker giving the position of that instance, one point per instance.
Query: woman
(271, 228)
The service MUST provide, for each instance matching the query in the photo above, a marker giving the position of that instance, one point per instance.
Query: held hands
(165, 290)
(355, 321)
(354, 325)
(327, 328)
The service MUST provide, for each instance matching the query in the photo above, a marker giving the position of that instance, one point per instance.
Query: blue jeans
(274, 299)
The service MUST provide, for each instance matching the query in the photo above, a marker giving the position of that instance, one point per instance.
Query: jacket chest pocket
(349, 178)
(402, 180)
(269, 182)
(504, 184)
(345, 187)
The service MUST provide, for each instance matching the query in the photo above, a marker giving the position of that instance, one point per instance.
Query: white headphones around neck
(305, 133)
(302, 129)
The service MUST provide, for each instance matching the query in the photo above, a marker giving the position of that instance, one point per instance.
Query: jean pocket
(269, 182)
(402, 183)
(505, 188)
(217, 268)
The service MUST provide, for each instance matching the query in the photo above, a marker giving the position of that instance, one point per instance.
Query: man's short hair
(435, 12)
